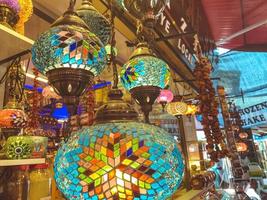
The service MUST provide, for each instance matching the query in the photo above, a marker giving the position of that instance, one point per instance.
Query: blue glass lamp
(69, 55)
(144, 75)
(119, 158)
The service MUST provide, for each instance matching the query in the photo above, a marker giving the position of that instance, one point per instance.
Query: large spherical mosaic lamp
(69, 55)
(97, 23)
(118, 158)
(145, 10)
(144, 75)
(9, 12)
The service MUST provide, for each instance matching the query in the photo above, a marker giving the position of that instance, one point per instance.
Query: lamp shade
(165, 96)
(145, 10)
(12, 4)
(9, 12)
(97, 23)
(69, 47)
(177, 108)
(119, 161)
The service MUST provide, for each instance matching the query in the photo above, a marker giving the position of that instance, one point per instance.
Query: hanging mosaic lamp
(144, 75)
(69, 55)
(26, 10)
(145, 10)
(118, 158)
(165, 96)
(9, 12)
(97, 23)
(12, 116)
(177, 108)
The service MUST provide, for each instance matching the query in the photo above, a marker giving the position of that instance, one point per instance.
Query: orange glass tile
(123, 148)
(98, 190)
(138, 152)
(111, 174)
(83, 183)
(150, 180)
(144, 149)
(129, 198)
(83, 155)
(86, 150)
(128, 185)
(111, 162)
(94, 161)
(113, 183)
(117, 161)
(141, 160)
(117, 135)
(99, 141)
(91, 152)
(144, 177)
(123, 141)
(137, 175)
(85, 188)
(81, 163)
(87, 165)
(105, 143)
(108, 194)
(85, 53)
(105, 187)
(94, 168)
(148, 163)
(122, 167)
(92, 193)
(72, 54)
(110, 153)
(101, 164)
(97, 147)
(143, 191)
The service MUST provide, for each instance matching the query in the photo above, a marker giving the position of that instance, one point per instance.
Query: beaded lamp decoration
(144, 75)
(147, 11)
(70, 56)
(97, 23)
(9, 12)
(26, 10)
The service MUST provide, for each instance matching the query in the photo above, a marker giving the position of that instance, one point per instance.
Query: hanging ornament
(177, 108)
(26, 10)
(96, 22)
(70, 56)
(165, 96)
(9, 12)
(144, 75)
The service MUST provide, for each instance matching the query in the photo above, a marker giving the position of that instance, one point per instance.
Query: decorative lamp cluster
(119, 161)
(9, 12)
(97, 23)
(144, 75)
(70, 56)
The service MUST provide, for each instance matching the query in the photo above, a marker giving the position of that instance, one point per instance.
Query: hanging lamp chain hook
(72, 5)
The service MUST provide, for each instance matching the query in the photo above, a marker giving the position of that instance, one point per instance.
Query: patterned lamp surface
(177, 108)
(165, 96)
(13, 4)
(97, 23)
(145, 71)
(119, 161)
(19, 147)
(25, 11)
(49, 93)
(69, 47)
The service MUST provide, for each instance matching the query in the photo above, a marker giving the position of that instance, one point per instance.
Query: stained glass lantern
(9, 12)
(241, 147)
(12, 116)
(145, 10)
(144, 75)
(97, 23)
(118, 158)
(177, 108)
(26, 10)
(69, 55)
(18, 147)
(165, 96)
(49, 93)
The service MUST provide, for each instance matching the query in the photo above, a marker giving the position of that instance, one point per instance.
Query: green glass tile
(147, 186)
(135, 147)
(146, 155)
(92, 145)
(97, 155)
(116, 146)
(88, 158)
(116, 153)
(104, 158)
(94, 176)
(97, 182)
(82, 176)
(141, 184)
(107, 168)
(127, 162)
(101, 172)
(81, 169)
(135, 165)
(88, 180)
(135, 140)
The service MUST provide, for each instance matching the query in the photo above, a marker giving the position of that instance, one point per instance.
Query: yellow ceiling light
(24, 14)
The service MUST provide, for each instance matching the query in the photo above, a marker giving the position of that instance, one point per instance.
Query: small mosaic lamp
(144, 75)
(97, 23)
(119, 158)
(177, 108)
(165, 96)
(9, 12)
(19, 147)
(70, 56)
(26, 10)
(147, 11)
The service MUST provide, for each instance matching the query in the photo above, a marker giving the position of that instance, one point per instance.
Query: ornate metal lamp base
(70, 84)
(145, 96)
(8, 17)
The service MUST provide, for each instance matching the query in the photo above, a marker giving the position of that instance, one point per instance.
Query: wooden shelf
(6, 163)
(13, 43)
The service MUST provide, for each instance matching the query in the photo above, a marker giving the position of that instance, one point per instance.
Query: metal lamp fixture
(97, 23)
(144, 75)
(145, 10)
(9, 12)
(69, 55)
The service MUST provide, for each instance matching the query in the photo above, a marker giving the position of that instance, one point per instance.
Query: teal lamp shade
(97, 23)
(145, 71)
(119, 161)
(69, 47)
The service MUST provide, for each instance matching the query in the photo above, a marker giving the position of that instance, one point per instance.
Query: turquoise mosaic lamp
(69, 55)
(144, 75)
(119, 159)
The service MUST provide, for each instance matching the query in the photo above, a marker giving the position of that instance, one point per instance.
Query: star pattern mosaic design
(119, 161)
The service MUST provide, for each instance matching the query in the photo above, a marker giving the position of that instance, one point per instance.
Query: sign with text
(254, 115)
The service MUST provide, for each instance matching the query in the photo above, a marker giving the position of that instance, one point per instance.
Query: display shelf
(13, 43)
(6, 163)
